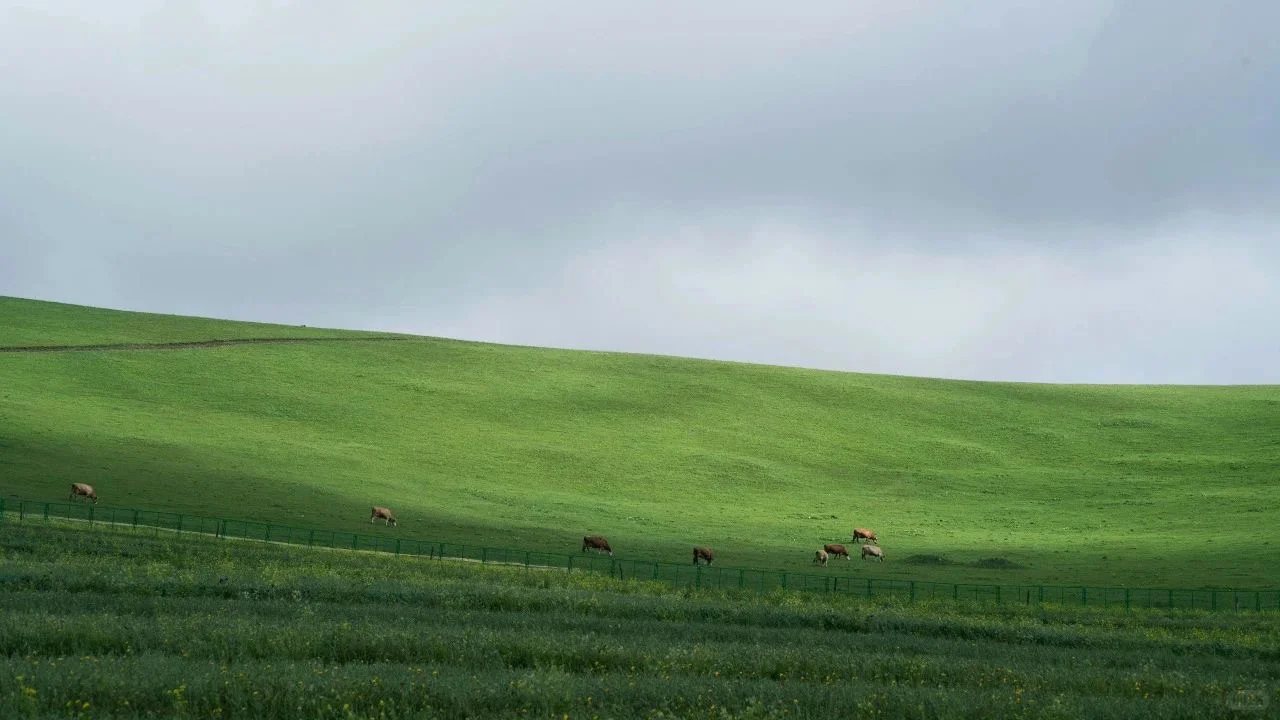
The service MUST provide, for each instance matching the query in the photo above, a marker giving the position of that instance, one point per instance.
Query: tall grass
(112, 622)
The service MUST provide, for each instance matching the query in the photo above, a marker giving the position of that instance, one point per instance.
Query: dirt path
(189, 344)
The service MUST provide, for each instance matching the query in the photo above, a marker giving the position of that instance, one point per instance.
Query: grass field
(513, 446)
(107, 622)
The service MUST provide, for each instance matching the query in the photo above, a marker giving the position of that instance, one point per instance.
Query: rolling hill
(519, 446)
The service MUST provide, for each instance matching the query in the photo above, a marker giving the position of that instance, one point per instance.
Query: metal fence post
(784, 581)
(397, 546)
(1126, 599)
(913, 591)
(484, 555)
(46, 511)
(90, 514)
(868, 588)
(742, 578)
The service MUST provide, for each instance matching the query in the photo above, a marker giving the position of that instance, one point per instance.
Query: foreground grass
(110, 622)
(502, 446)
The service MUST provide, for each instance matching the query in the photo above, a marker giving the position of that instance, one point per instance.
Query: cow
(873, 551)
(820, 558)
(864, 534)
(836, 549)
(703, 553)
(385, 514)
(596, 542)
(84, 491)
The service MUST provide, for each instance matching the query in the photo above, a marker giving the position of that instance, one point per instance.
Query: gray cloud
(1082, 192)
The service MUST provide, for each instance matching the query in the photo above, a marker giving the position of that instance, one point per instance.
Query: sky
(1081, 192)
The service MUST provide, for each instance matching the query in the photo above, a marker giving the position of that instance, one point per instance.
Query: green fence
(676, 574)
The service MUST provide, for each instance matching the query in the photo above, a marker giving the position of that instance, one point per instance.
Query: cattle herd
(704, 554)
(600, 544)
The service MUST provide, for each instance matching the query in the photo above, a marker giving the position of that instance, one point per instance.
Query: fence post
(998, 600)
(1126, 599)
(655, 571)
(784, 581)
(1257, 596)
(355, 540)
(1084, 595)
(913, 591)
(868, 588)
(90, 514)
(570, 568)
(46, 511)
(697, 576)
(742, 578)
(955, 591)
(1, 510)
(397, 546)
(526, 558)
(22, 507)
(179, 523)
(1213, 599)
(1040, 597)
(484, 555)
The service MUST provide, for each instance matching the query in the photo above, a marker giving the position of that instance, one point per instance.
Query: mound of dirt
(996, 563)
(927, 560)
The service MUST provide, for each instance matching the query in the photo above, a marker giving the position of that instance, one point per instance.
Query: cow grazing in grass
(703, 553)
(84, 491)
(836, 549)
(820, 558)
(872, 551)
(385, 514)
(598, 543)
(864, 534)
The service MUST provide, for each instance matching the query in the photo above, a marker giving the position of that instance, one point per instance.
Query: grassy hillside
(522, 446)
(105, 622)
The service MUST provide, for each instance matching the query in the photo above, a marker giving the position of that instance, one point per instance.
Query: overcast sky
(1056, 192)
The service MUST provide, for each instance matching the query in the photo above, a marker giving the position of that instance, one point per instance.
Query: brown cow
(596, 542)
(385, 514)
(864, 534)
(820, 557)
(836, 549)
(84, 491)
(703, 553)
(873, 551)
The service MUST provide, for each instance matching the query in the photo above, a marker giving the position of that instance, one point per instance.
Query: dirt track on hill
(186, 345)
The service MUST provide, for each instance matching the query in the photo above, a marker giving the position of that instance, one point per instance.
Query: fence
(672, 573)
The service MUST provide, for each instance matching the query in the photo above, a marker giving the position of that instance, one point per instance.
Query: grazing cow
(385, 514)
(84, 491)
(864, 534)
(836, 549)
(873, 551)
(703, 553)
(597, 543)
(820, 557)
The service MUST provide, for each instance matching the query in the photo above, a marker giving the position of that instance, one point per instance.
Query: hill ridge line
(189, 344)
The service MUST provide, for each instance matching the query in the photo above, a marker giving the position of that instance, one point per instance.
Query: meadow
(484, 444)
(115, 622)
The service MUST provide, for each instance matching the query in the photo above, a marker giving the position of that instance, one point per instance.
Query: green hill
(516, 446)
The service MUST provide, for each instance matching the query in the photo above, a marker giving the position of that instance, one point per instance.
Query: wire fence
(675, 574)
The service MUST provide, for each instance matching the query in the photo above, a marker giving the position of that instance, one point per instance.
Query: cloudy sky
(1058, 192)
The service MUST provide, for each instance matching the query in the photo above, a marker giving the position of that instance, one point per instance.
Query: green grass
(111, 622)
(524, 447)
